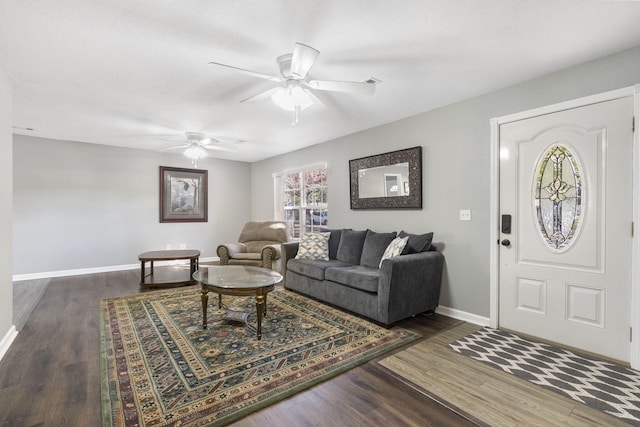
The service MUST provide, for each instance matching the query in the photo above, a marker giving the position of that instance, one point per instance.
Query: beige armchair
(258, 245)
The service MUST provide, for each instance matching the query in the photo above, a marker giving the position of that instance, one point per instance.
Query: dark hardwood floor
(51, 375)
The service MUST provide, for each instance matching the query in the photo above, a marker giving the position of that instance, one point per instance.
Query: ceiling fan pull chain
(296, 115)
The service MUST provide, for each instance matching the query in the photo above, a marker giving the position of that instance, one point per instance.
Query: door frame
(494, 201)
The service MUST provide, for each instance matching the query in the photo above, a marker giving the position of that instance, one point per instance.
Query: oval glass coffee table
(237, 280)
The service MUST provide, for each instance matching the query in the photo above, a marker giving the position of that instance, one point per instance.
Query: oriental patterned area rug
(601, 385)
(160, 368)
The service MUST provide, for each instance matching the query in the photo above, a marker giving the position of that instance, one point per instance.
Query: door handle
(505, 242)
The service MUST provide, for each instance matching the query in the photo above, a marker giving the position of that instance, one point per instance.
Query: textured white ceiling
(135, 74)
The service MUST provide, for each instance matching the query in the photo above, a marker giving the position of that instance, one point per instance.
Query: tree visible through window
(305, 200)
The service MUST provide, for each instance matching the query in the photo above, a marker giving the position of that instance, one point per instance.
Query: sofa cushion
(350, 247)
(312, 268)
(374, 246)
(355, 276)
(394, 249)
(417, 242)
(334, 241)
(314, 246)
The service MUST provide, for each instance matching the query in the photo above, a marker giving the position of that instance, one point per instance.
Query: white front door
(565, 263)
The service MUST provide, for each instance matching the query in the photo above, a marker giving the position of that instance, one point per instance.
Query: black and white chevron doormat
(601, 385)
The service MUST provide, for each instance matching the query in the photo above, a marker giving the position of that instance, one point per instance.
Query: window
(304, 199)
(559, 197)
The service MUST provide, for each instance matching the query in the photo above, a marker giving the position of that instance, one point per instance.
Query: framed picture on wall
(183, 195)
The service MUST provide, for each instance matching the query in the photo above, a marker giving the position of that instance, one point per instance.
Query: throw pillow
(374, 246)
(314, 246)
(394, 249)
(417, 242)
(350, 246)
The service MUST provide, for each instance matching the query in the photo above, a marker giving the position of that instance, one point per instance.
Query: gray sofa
(354, 279)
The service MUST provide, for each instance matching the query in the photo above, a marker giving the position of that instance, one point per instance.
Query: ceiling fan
(196, 144)
(297, 92)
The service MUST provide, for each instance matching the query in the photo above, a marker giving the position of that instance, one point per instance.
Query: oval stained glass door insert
(558, 197)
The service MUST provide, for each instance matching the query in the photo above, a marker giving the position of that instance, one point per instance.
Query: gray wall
(6, 192)
(82, 206)
(456, 175)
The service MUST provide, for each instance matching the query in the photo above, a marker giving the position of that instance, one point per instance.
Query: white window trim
(278, 186)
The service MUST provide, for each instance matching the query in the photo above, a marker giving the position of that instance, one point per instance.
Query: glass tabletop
(237, 276)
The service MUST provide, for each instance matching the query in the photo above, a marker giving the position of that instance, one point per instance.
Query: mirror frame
(413, 201)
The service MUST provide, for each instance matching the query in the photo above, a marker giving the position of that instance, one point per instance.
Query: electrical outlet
(168, 247)
(465, 215)
(183, 246)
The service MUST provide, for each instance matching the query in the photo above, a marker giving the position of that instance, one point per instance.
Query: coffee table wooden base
(259, 293)
(237, 280)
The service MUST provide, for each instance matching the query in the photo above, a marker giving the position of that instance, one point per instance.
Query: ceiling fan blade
(317, 102)
(175, 148)
(197, 138)
(219, 148)
(261, 96)
(249, 72)
(209, 140)
(364, 88)
(302, 60)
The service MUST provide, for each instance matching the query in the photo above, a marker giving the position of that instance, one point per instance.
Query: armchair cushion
(248, 256)
(258, 245)
(272, 231)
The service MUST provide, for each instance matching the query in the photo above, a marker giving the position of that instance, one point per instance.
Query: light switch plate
(465, 215)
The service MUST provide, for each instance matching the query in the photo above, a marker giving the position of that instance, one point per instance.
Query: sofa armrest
(289, 251)
(410, 284)
(227, 250)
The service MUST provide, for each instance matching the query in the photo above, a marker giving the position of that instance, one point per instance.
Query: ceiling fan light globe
(195, 152)
(290, 97)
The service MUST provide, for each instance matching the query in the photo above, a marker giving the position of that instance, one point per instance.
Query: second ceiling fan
(297, 92)
(196, 144)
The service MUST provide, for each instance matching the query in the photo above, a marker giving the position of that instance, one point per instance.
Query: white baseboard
(106, 269)
(463, 315)
(5, 343)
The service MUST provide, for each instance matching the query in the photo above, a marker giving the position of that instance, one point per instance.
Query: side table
(171, 278)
